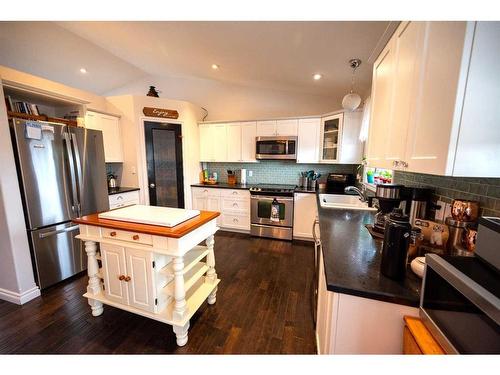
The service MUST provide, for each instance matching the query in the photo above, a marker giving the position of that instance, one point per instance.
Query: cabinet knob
(395, 163)
(121, 277)
(135, 237)
(127, 278)
(235, 204)
(403, 164)
(113, 234)
(152, 186)
(235, 220)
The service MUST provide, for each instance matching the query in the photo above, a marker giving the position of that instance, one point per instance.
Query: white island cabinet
(155, 271)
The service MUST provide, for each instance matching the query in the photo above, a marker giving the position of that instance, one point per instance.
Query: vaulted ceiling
(278, 55)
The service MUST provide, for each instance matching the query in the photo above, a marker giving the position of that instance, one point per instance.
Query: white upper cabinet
(331, 134)
(429, 137)
(248, 134)
(282, 128)
(308, 142)
(234, 142)
(111, 134)
(213, 142)
(406, 44)
(478, 144)
(434, 100)
(286, 128)
(351, 148)
(266, 128)
(382, 89)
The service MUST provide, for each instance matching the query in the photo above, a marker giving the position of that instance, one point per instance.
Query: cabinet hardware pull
(127, 279)
(395, 163)
(135, 237)
(235, 220)
(235, 204)
(122, 277)
(404, 164)
(235, 192)
(113, 234)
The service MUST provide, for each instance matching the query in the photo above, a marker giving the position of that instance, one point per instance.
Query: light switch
(250, 173)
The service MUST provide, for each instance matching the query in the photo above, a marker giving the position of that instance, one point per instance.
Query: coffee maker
(417, 202)
(389, 196)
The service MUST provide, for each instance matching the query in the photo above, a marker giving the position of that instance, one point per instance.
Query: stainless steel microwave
(281, 148)
(460, 296)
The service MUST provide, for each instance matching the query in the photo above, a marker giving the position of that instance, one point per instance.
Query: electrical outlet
(250, 173)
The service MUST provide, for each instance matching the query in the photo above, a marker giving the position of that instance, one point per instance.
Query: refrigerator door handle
(78, 170)
(74, 194)
(53, 232)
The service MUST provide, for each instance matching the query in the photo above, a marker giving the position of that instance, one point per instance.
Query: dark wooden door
(164, 162)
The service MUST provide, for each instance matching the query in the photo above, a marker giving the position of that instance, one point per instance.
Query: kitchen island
(151, 270)
(360, 311)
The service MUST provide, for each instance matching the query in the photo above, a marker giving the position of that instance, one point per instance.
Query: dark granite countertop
(222, 185)
(352, 259)
(305, 190)
(121, 189)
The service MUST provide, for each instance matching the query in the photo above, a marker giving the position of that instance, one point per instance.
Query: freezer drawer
(57, 253)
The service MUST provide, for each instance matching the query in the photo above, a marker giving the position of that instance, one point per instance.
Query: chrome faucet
(361, 193)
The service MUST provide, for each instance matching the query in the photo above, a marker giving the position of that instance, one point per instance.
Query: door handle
(51, 233)
(71, 161)
(152, 186)
(79, 174)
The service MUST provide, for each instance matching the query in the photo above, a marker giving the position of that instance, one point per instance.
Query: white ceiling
(279, 55)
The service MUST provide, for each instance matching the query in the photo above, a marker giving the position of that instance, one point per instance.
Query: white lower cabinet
(305, 211)
(123, 199)
(348, 324)
(128, 276)
(233, 204)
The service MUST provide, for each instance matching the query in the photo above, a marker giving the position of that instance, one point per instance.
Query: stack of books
(21, 107)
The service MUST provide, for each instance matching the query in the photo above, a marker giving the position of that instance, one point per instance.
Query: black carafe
(396, 241)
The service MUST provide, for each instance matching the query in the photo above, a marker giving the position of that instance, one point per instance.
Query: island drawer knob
(135, 237)
(122, 277)
(127, 279)
(113, 234)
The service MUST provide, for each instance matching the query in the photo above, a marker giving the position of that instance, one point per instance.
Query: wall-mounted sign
(160, 112)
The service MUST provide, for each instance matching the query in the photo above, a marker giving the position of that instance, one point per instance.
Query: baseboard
(19, 298)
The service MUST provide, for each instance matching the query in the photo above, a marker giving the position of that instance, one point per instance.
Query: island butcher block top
(176, 231)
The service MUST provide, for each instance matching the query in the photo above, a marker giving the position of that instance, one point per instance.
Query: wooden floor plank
(263, 306)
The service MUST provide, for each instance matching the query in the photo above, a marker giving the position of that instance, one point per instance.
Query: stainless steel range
(271, 211)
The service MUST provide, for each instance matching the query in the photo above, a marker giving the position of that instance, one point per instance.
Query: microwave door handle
(78, 170)
(286, 147)
(69, 152)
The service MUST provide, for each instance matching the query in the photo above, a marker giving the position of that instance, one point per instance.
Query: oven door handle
(266, 197)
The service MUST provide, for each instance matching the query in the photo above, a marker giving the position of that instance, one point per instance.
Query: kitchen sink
(344, 202)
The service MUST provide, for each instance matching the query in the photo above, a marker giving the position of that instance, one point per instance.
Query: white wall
(225, 101)
(132, 124)
(17, 282)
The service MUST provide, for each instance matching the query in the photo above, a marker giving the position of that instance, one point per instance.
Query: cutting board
(162, 216)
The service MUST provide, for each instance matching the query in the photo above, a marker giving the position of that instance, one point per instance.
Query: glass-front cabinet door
(331, 135)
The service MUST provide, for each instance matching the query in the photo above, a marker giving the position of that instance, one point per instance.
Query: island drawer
(145, 239)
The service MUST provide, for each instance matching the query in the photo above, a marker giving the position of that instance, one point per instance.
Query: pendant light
(352, 100)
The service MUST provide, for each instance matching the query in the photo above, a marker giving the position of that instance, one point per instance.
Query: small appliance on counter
(460, 297)
(112, 181)
(462, 225)
(337, 182)
(417, 202)
(396, 243)
(389, 196)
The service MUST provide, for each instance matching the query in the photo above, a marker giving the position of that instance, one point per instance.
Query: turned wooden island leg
(211, 274)
(180, 304)
(94, 286)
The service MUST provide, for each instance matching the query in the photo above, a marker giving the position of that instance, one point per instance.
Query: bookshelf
(31, 104)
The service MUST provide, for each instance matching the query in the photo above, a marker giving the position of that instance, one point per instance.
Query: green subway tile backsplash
(277, 172)
(484, 190)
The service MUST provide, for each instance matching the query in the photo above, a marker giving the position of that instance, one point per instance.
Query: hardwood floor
(263, 306)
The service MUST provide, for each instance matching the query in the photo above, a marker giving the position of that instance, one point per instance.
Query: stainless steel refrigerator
(62, 175)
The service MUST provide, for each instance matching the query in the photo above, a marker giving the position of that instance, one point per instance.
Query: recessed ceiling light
(317, 76)
(215, 66)
(83, 70)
